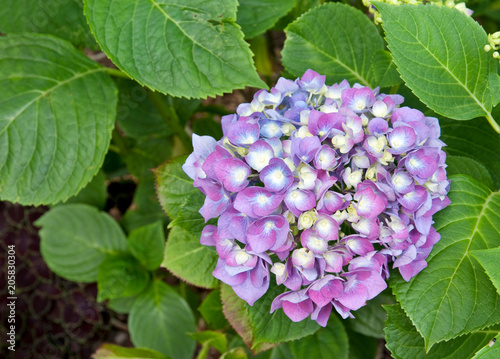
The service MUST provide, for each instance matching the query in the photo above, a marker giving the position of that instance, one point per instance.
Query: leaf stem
(493, 123)
(167, 112)
(117, 73)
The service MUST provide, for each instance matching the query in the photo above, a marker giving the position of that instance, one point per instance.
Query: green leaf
(214, 339)
(474, 139)
(384, 69)
(63, 18)
(94, 194)
(57, 110)
(136, 115)
(75, 239)
(120, 276)
(453, 295)
(404, 341)
(490, 351)
(235, 310)
(370, 319)
(187, 51)
(301, 7)
(110, 351)
(174, 187)
(494, 83)
(147, 244)
(488, 258)
(257, 16)
(145, 208)
(469, 167)
(362, 347)
(189, 260)
(180, 200)
(160, 320)
(439, 54)
(147, 154)
(323, 40)
(211, 310)
(325, 343)
(276, 327)
(121, 305)
(207, 127)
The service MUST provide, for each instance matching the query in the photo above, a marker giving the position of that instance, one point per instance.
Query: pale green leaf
(147, 244)
(75, 239)
(328, 342)
(323, 40)
(257, 16)
(189, 260)
(453, 295)
(110, 351)
(57, 110)
(62, 18)
(405, 342)
(494, 83)
(490, 351)
(188, 50)
(384, 69)
(475, 139)
(160, 320)
(489, 259)
(468, 166)
(121, 276)
(439, 54)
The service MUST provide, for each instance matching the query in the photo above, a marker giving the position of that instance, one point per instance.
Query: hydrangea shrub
(322, 198)
(324, 187)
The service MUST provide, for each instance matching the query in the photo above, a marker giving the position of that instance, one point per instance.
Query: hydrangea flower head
(323, 187)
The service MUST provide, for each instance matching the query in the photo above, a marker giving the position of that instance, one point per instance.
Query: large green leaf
(189, 260)
(75, 238)
(57, 110)
(160, 320)
(324, 40)
(147, 244)
(62, 18)
(326, 343)
(453, 295)
(439, 54)
(489, 260)
(470, 167)
(475, 139)
(405, 342)
(121, 276)
(257, 16)
(188, 50)
(384, 69)
(110, 351)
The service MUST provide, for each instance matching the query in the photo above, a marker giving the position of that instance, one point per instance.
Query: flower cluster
(322, 186)
(493, 44)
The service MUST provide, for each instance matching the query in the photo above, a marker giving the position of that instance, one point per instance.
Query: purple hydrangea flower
(299, 165)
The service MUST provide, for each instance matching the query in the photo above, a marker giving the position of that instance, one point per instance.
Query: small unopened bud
(487, 48)
(496, 54)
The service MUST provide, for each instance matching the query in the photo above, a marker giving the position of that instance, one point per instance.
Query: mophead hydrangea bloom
(323, 187)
